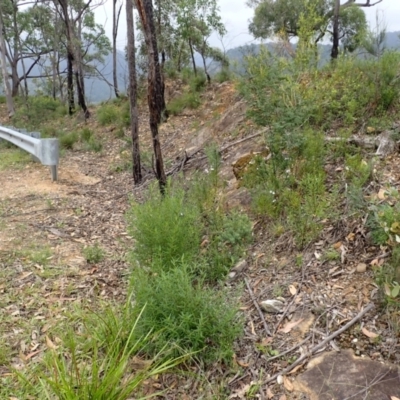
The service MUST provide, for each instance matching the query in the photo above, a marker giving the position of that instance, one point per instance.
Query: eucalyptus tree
(81, 34)
(196, 20)
(115, 22)
(155, 87)
(137, 171)
(24, 36)
(342, 21)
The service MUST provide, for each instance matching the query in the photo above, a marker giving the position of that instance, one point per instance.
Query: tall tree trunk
(192, 55)
(70, 83)
(204, 63)
(155, 94)
(335, 36)
(74, 57)
(7, 88)
(114, 44)
(137, 170)
(53, 58)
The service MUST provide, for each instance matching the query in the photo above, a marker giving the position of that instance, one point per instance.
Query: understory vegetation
(178, 308)
(311, 113)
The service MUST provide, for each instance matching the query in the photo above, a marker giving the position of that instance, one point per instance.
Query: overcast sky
(236, 15)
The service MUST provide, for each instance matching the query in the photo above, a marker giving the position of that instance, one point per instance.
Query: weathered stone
(338, 376)
(386, 143)
(241, 165)
(362, 267)
(273, 306)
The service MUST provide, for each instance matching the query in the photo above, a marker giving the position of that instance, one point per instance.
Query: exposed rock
(386, 143)
(241, 165)
(362, 267)
(338, 376)
(306, 319)
(273, 306)
(239, 267)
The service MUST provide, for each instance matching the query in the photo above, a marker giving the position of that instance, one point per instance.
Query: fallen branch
(267, 331)
(319, 346)
(290, 350)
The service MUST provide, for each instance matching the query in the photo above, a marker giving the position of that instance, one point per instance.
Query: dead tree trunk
(155, 93)
(137, 171)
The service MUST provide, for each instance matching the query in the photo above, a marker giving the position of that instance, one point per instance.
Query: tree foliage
(283, 17)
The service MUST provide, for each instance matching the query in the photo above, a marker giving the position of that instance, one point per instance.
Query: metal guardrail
(44, 150)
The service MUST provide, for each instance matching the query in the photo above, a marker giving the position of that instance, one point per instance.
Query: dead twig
(267, 331)
(288, 307)
(319, 346)
(290, 350)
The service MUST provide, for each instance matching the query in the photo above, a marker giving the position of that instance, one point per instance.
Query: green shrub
(229, 235)
(358, 171)
(188, 316)
(224, 75)
(94, 360)
(108, 114)
(37, 110)
(93, 254)
(94, 145)
(165, 228)
(67, 140)
(197, 82)
(86, 134)
(287, 95)
(186, 100)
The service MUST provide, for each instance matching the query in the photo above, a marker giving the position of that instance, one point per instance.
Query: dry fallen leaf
(381, 194)
(290, 325)
(50, 344)
(242, 364)
(266, 341)
(394, 398)
(292, 290)
(288, 384)
(270, 395)
(337, 245)
(368, 333)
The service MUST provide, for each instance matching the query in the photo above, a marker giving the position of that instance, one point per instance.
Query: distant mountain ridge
(97, 90)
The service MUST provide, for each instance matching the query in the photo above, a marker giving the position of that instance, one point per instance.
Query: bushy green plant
(89, 366)
(224, 75)
(93, 254)
(108, 114)
(384, 223)
(358, 171)
(94, 145)
(189, 100)
(86, 134)
(287, 95)
(197, 82)
(188, 316)
(36, 110)
(165, 228)
(229, 235)
(291, 185)
(67, 140)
